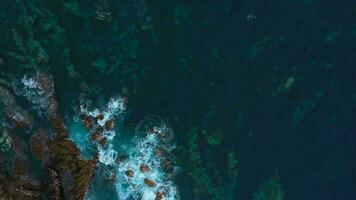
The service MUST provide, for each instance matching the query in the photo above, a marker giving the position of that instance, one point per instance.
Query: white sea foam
(37, 88)
(107, 155)
(29, 82)
(114, 107)
(143, 152)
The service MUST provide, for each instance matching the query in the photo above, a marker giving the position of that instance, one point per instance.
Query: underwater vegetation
(270, 189)
(169, 99)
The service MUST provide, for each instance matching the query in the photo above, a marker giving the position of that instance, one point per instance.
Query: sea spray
(37, 88)
(140, 168)
(115, 107)
(147, 172)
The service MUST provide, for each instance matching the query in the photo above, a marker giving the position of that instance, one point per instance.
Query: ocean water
(249, 99)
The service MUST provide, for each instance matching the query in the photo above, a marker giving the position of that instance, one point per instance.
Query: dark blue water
(312, 41)
(274, 80)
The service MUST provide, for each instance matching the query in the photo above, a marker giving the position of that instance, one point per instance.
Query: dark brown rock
(54, 187)
(149, 182)
(83, 177)
(59, 126)
(103, 141)
(39, 145)
(144, 168)
(88, 121)
(99, 117)
(96, 136)
(159, 196)
(129, 173)
(109, 125)
(63, 155)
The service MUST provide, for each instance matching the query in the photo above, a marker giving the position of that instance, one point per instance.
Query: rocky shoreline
(66, 173)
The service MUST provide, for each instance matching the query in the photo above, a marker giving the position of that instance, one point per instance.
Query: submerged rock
(38, 88)
(59, 126)
(16, 116)
(19, 183)
(39, 145)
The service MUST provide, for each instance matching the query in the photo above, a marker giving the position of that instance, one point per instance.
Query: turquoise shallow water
(79, 135)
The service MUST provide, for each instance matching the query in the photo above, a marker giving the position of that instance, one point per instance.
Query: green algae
(196, 170)
(270, 189)
(232, 166)
(214, 139)
(307, 106)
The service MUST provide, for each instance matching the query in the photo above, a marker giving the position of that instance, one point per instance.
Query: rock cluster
(67, 174)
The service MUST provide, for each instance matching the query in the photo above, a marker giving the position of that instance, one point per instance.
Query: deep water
(268, 84)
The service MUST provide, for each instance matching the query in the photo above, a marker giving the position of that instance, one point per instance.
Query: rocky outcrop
(66, 174)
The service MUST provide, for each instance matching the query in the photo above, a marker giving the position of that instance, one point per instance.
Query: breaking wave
(140, 168)
(147, 172)
(115, 107)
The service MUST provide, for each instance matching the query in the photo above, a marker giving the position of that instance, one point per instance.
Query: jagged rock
(83, 176)
(159, 196)
(66, 163)
(129, 173)
(109, 125)
(99, 117)
(65, 158)
(144, 168)
(58, 124)
(96, 136)
(63, 154)
(67, 173)
(149, 182)
(103, 141)
(55, 189)
(88, 121)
